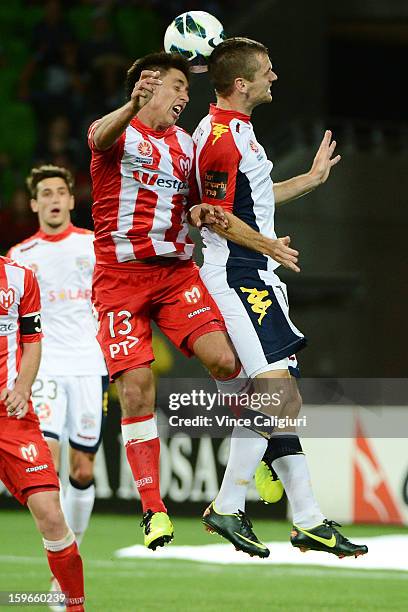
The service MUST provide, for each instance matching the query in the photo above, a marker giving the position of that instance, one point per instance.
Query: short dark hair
(231, 59)
(155, 61)
(48, 171)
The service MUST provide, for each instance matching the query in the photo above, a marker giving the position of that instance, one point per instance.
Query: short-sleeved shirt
(20, 319)
(63, 264)
(140, 194)
(233, 171)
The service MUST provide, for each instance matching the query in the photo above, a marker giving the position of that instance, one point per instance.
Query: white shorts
(255, 308)
(71, 405)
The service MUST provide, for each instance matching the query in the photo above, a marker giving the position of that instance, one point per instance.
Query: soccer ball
(194, 35)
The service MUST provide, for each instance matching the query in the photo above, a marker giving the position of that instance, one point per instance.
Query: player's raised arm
(318, 174)
(108, 129)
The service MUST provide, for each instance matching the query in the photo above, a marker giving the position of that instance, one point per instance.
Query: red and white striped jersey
(63, 264)
(140, 189)
(19, 303)
(233, 171)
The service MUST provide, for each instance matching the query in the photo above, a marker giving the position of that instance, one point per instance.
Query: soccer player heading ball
(143, 186)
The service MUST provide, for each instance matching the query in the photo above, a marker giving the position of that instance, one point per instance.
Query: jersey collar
(55, 237)
(148, 131)
(230, 114)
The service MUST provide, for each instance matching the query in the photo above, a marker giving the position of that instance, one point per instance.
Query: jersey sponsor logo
(69, 294)
(218, 130)
(193, 295)
(7, 328)
(30, 452)
(254, 147)
(123, 346)
(259, 305)
(145, 148)
(153, 179)
(185, 165)
(7, 297)
(145, 161)
(37, 468)
(197, 312)
(215, 184)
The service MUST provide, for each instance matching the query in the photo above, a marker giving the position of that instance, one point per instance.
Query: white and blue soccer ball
(194, 35)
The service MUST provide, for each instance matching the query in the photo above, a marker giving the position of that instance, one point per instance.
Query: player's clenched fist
(16, 402)
(145, 87)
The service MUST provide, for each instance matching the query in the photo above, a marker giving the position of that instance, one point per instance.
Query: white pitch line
(384, 553)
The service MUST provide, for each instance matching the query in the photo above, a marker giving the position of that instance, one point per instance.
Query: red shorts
(128, 297)
(26, 464)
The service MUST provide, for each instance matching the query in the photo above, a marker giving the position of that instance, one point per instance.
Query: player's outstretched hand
(281, 252)
(145, 87)
(207, 214)
(16, 402)
(324, 160)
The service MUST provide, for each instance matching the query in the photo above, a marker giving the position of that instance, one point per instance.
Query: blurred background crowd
(62, 64)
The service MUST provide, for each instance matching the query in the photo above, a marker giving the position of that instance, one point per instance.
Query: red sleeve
(91, 131)
(193, 191)
(218, 166)
(30, 304)
(91, 143)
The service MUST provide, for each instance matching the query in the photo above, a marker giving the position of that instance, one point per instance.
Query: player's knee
(292, 404)
(50, 520)
(82, 475)
(135, 400)
(223, 363)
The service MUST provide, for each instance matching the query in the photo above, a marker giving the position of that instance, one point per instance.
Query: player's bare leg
(139, 430)
(216, 353)
(62, 550)
(55, 449)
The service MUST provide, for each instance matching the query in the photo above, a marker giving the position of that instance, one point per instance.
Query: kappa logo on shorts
(30, 452)
(193, 295)
(37, 468)
(7, 297)
(256, 299)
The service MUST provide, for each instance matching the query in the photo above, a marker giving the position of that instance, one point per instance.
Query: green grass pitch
(181, 586)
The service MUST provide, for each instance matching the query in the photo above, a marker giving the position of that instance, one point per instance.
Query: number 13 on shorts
(120, 328)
